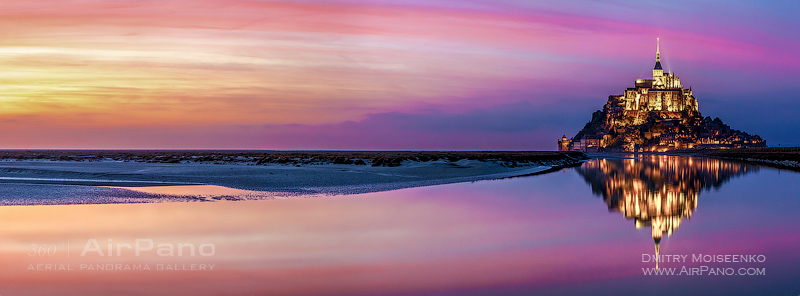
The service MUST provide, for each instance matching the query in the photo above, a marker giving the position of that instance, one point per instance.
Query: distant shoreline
(780, 157)
(290, 157)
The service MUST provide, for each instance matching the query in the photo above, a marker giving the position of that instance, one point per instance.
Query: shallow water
(578, 231)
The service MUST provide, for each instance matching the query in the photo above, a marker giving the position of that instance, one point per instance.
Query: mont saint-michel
(657, 114)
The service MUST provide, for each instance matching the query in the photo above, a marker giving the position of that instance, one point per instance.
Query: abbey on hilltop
(656, 115)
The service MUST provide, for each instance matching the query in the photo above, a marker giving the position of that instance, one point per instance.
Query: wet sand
(30, 182)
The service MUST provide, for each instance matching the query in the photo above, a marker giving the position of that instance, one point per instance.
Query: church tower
(658, 72)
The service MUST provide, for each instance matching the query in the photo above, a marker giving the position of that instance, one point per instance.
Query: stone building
(662, 93)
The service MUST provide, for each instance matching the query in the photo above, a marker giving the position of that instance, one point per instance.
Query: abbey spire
(658, 50)
(657, 70)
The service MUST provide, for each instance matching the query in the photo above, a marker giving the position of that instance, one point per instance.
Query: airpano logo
(141, 246)
(141, 254)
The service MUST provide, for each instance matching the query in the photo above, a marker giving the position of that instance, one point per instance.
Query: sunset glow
(368, 74)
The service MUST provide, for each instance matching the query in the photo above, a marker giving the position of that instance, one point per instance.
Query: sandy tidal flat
(30, 182)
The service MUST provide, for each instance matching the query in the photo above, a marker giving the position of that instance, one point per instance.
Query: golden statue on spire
(658, 50)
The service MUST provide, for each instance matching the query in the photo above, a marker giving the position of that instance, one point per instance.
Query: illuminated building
(662, 93)
(656, 114)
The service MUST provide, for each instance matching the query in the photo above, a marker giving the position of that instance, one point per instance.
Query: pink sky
(370, 74)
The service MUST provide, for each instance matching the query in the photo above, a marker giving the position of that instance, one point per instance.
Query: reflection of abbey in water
(657, 191)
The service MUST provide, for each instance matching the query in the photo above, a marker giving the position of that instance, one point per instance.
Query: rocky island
(657, 114)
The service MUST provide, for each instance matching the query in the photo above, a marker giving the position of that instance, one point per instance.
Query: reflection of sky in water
(544, 234)
(206, 192)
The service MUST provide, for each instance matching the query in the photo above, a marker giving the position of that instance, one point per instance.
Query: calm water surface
(585, 230)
